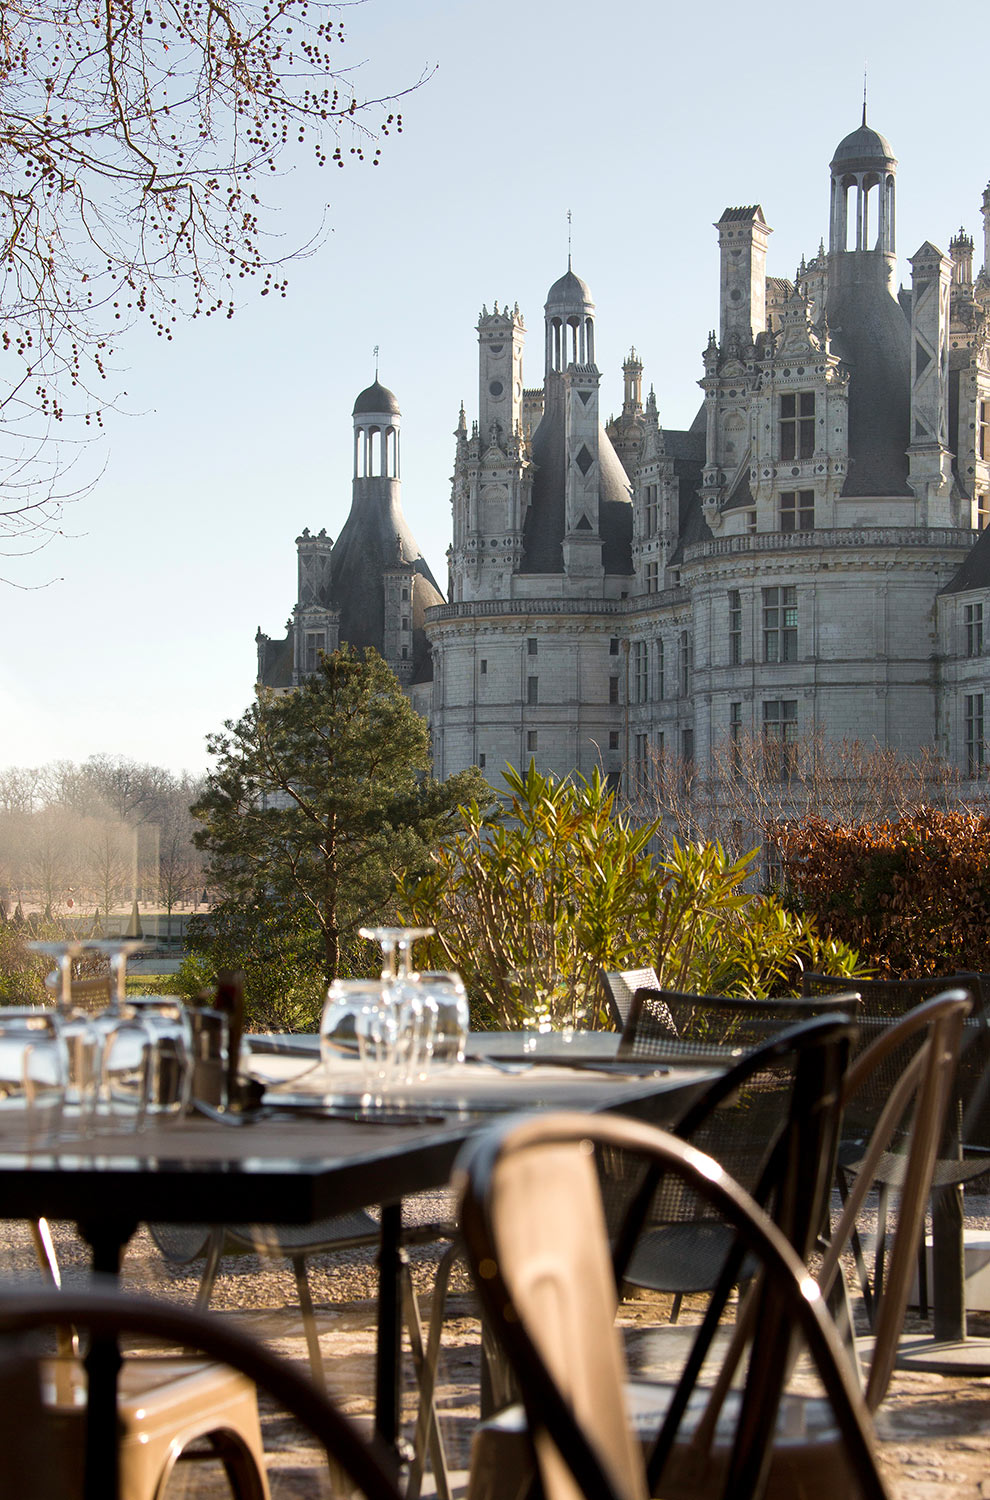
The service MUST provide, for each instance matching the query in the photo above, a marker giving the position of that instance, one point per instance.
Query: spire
(569, 221)
(864, 96)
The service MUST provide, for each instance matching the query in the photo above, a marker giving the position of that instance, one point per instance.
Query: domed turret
(376, 400)
(570, 323)
(863, 162)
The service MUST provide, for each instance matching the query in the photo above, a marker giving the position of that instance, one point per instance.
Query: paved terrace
(934, 1432)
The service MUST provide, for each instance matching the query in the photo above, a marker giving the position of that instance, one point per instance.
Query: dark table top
(293, 1167)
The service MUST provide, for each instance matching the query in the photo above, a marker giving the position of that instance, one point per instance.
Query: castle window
(405, 653)
(613, 646)
(780, 738)
(483, 666)
(974, 734)
(613, 782)
(316, 642)
(780, 620)
(797, 425)
(481, 761)
(660, 670)
(405, 622)
(983, 430)
(405, 595)
(613, 739)
(751, 522)
(651, 510)
(687, 750)
(973, 623)
(532, 646)
(642, 761)
(652, 577)
(735, 628)
(685, 661)
(532, 739)
(641, 678)
(982, 510)
(797, 510)
(532, 690)
(613, 690)
(735, 737)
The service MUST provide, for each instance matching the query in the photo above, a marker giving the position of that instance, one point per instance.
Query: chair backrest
(108, 1313)
(671, 1023)
(620, 985)
(886, 1000)
(534, 1233)
(772, 1121)
(923, 1047)
(91, 994)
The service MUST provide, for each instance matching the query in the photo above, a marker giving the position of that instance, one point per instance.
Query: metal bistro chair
(738, 1121)
(620, 985)
(964, 1149)
(45, 1441)
(535, 1232)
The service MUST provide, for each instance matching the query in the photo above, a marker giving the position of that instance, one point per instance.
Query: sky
(133, 634)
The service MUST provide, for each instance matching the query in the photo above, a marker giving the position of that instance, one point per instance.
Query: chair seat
(165, 1403)
(806, 1452)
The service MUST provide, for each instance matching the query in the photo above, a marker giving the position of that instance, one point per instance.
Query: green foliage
(283, 978)
(534, 896)
(320, 799)
(22, 973)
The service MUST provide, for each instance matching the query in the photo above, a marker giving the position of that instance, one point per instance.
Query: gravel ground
(934, 1431)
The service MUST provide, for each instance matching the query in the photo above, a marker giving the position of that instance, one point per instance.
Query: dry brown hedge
(912, 895)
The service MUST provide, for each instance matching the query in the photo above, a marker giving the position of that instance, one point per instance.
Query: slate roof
(871, 335)
(543, 533)
(375, 400)
(375, 536)
(687, 449)
(275, 662)
(975, 570)
(569, 291)
(863, 148)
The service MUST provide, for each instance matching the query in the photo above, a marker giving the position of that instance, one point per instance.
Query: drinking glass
(33, 1071)
(82, 1041)
(451, 1015)
(356, 1058)
(396, 945)
(379, 1024)
(414, 1012)
(170, 1070)
(126, 1046)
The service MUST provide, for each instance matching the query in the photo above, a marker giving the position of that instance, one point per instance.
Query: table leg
(948, 1265)
(103, 1361)
(388, 1355)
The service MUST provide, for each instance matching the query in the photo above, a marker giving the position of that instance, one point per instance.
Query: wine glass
(396, 945)
(170, 1073)
(414, 1013)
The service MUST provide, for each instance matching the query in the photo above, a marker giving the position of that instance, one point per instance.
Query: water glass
(210, 1033)
(33, 1072)
(170, 1064)
(451, 1016)
(127, 1065)
(379, 1026)
(340, 1034)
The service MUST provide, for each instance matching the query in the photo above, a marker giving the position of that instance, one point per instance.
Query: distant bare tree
(753, 783)
(134, 144)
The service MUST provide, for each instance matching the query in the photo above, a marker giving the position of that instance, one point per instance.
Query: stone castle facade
(811, 556)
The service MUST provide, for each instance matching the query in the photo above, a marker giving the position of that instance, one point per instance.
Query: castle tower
(579, 479)
(866, 323)
(501, 336)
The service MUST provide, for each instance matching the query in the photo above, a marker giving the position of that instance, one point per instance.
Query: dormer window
(797, 425)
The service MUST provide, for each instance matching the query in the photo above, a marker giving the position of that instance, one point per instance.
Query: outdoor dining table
(308, 1155)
